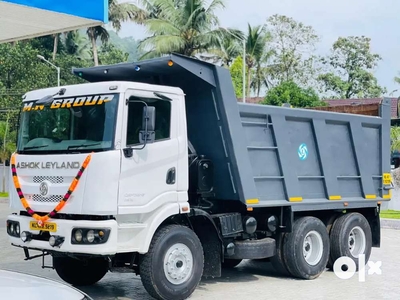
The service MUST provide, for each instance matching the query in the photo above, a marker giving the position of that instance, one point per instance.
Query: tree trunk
(94, 48)
(4, 178)
(4, 152)
(248, 81)
(55, 46)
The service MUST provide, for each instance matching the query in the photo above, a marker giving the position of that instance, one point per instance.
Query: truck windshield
(75, 124)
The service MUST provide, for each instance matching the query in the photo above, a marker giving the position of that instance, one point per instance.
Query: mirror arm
(128, 152)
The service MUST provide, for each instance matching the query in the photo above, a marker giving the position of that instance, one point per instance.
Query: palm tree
(76, 45)
(397, 80)
(188, 27)
(117, 13)
(256, 42)
(262, 72)
(55, 46)
(230, 46)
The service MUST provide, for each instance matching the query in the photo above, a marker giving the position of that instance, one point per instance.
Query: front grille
(53, 198)
(52, 179)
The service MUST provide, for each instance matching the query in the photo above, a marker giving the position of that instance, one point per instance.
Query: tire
(231, 263)
(329, 223)
(157, 281)
(306, 248)
(277, 260)
(80, 272)
(351, 236)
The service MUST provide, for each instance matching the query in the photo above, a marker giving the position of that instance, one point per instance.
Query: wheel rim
(357, 241)
(313, 248)
(178, 264)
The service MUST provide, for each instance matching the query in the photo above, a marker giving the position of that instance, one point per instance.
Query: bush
(290, 92)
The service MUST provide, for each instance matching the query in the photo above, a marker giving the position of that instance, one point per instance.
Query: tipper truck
(155, 168)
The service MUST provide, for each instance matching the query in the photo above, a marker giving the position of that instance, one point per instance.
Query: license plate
(52, 227)
(387, 179)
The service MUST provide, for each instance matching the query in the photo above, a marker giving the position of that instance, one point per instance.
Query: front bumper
(64, 229)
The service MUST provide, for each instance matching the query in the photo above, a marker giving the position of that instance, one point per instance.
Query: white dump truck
(155, 168)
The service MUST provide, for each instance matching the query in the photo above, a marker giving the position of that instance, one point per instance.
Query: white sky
(376, 19)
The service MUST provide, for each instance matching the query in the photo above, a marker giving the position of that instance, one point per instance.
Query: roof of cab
(99, 87)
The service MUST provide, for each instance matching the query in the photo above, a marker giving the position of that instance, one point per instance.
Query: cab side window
(135, 115)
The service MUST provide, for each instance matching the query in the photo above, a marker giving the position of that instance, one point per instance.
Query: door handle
(171, 176)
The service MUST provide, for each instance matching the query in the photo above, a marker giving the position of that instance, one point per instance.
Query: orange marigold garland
(72, 187)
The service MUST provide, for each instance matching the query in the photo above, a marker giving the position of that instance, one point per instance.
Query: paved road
(250, 280)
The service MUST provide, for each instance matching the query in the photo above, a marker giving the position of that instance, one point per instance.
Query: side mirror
(46, 100)
(147, 134)
(149, 118)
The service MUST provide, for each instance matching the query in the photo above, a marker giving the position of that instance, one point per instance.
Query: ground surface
(250, 280)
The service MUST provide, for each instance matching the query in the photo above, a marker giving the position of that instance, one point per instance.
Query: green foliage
(257, 56)
(127, 44)
(290, 92)
(187, 27)
(395, 138)
(236, 71)
(110, 54)
(7, 140)
(351, 64)
(293, 44)
(229, 48)
(77, 45)
(20, 71)
(117, 13)
(390, 214)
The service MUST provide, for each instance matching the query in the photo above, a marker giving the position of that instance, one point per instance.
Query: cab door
(148, 176)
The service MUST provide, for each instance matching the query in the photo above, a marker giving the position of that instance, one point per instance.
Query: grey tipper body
(267, 155)
(312, 156)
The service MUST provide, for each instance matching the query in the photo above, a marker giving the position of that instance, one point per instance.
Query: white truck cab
(103, 121)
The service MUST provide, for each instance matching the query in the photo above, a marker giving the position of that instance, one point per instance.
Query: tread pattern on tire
(147, 262)
(68, 270)
(277, 260)
(337, 250)
(293, 260)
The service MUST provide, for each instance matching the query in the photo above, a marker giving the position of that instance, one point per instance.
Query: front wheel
(80, 272)
(173, 267)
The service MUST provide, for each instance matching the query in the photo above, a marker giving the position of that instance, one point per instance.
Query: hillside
(126, 44)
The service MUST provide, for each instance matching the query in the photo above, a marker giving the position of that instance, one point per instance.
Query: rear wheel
(173, 267)
(80, 272)
(306, 248)
(351, 236)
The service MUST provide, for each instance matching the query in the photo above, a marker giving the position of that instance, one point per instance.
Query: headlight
(56, 240)
(26, 236)
(78, 236)
(90, 236)
(17, 229)
(13, 228)
(85, 236)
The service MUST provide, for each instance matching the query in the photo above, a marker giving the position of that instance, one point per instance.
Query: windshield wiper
(35, 147)
(83, 145)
